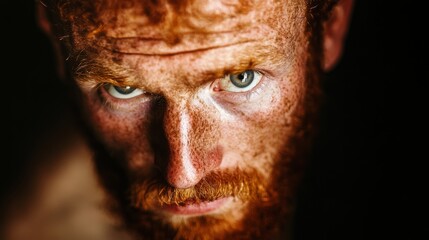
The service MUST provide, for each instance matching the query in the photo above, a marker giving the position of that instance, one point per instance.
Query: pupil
(124, 90)
(242, 76)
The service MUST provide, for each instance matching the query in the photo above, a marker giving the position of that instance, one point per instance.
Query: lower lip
(194, 209)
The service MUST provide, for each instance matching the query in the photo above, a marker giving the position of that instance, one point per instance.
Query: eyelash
(115, 103)
(234, 97)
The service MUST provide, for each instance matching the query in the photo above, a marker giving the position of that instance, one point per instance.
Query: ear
(45, 25)
(335, 30)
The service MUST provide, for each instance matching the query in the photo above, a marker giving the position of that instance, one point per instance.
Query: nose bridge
(192, 143)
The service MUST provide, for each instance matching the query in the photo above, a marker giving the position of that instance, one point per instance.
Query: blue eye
(126, 92)
(241, 82)
(243, 79)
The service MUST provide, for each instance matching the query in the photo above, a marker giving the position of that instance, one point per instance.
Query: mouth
(195, 208)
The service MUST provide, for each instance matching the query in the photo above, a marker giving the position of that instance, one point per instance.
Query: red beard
(151, 193)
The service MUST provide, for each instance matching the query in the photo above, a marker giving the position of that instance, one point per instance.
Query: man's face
(204, 107)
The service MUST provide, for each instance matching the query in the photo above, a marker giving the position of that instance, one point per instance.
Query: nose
(192, 141)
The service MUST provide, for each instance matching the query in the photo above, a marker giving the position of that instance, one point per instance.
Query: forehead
(129, 23)
(205, 38)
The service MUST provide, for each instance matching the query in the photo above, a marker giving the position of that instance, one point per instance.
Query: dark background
(365, 168)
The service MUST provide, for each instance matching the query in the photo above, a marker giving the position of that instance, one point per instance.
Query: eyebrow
(247, 62)
(240, 67)
(96, 71)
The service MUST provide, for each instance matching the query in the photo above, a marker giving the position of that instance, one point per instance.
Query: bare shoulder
(62, 199)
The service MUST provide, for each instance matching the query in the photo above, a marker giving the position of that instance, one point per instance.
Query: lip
(195, 208)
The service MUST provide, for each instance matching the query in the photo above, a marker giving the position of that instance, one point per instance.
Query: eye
(241, 82)
(123, 92)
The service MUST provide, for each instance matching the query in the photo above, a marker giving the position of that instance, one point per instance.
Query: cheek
(257, 132)
(123, 132)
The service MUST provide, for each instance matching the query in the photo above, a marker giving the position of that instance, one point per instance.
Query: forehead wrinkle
(173, 17)
(128, 24)
(175, 52)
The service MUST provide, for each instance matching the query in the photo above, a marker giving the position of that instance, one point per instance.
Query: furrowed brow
(94, 71)
(234, 69)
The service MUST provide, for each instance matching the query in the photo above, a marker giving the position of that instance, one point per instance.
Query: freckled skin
(184, 130)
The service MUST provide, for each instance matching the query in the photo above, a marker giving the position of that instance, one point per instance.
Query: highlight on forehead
(157, 10)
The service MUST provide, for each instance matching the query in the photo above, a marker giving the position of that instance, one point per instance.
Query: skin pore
(203, 109)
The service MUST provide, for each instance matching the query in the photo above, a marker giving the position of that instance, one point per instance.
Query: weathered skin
(206, 128)
(187, 125)
(186, 120)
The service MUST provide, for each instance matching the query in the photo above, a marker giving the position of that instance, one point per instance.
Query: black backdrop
(366, 161)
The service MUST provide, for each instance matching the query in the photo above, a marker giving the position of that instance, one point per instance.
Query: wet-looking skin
(205, 106)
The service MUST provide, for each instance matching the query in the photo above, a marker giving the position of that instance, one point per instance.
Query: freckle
(209, 161)
(117, 59)
(134, 44)
(161, 71)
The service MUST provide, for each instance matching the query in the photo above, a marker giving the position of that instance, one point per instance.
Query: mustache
(155, 191)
